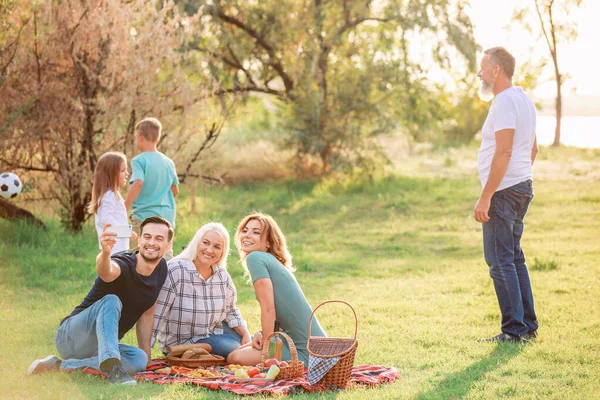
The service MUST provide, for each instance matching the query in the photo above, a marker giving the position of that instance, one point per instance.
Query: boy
(153, 180)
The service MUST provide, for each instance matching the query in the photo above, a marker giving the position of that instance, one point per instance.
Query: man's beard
(486, 90)
(149, 259)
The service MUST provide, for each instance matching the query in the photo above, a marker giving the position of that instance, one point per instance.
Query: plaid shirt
(190, 308)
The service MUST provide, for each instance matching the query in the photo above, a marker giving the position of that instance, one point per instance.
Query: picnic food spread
(231, 372)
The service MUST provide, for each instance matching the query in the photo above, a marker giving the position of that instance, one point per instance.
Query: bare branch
(275, 62)
(27, 167)
(358, 21)
(207, 177)
(15, 43)
(162, 138)
(543, 25)
(248, 89)
(237, 61)
(234, 64)
(36, 50)
(219, 92)
(79, 22)
(209, 139)
(130, 130)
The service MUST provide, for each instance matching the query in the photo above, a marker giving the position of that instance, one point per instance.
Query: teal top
(157, 171)
(291, 307)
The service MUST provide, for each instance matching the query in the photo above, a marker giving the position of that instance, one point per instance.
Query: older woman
(264, 253)
(197, 303)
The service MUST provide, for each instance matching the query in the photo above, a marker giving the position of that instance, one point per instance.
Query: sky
(576, 58)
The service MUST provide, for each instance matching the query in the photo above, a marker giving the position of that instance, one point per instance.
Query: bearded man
(123, 295)
(505, 166)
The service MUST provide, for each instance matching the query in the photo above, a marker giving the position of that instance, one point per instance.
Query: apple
(253, 371)
(284, 364)
(271, 361)
(258, 376)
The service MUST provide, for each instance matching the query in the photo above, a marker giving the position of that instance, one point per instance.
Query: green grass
(404, 250)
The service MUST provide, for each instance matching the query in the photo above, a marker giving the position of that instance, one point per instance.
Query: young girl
(107, 203)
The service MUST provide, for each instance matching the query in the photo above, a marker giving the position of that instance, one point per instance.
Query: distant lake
(575, 131)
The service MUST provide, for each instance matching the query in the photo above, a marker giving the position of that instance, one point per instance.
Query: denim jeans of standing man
(502, 248)
(91, 337)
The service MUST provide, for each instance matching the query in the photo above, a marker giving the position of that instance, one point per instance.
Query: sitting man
(123, 294)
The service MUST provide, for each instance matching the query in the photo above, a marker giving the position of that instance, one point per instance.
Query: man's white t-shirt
(512, 108)
(112, 211)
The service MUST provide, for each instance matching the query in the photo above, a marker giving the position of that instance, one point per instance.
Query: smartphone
(122, 231)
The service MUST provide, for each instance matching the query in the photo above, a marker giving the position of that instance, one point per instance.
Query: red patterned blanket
(365, 375)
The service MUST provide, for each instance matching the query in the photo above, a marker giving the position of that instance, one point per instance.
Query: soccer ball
(10, 185)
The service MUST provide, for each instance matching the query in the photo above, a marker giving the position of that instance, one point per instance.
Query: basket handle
(334, 301)
(290, 342)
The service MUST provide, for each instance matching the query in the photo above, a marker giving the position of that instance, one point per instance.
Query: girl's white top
(112, 211)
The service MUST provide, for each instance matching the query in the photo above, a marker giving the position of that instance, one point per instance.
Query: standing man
(123, 295)
(506, 157)
(154, 182)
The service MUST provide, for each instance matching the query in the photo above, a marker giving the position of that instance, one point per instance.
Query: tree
(77, 76)
(341, 69)
(556, 28)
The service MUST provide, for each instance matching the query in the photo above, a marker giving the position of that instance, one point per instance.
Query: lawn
(403, 249)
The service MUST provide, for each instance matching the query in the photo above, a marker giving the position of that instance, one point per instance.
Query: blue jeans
(224, 343)
(503, 253)
(92, 336)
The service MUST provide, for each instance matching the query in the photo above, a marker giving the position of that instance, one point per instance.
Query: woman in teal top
(264, 253)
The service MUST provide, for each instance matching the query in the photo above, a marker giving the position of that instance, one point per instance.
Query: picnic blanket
(362, 375)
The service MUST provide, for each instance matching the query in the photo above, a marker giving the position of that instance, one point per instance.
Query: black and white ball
(10, 185)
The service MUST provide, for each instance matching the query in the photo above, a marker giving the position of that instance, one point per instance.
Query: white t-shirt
(512, 108)
(112, 210)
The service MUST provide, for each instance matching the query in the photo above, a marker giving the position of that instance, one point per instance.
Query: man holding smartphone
(122, 296)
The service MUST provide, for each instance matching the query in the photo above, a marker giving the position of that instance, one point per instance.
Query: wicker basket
(195, 363)
(330, 347)
(295, 368)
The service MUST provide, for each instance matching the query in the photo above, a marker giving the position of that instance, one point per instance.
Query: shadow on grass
(459, 384)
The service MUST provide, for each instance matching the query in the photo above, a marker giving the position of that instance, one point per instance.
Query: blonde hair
(191, 250)
(149, 129)
(502, 57)
(275, 239)
(106, 177)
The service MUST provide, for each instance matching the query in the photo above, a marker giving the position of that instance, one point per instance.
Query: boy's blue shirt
(158, 173)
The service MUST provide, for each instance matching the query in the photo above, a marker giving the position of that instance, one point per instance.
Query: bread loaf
(178, 350)
(188, 354)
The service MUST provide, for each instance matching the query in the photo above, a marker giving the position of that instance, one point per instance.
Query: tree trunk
(192, 186)
(325, 153)
(13, 213)
(556, 142)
